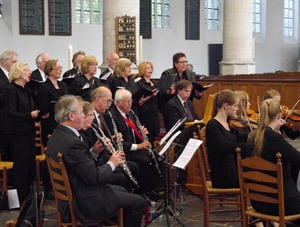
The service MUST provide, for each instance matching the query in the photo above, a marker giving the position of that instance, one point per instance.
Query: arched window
(87, 11)
(160, 13)
(1, 17)
(256, 19)
(212, 14)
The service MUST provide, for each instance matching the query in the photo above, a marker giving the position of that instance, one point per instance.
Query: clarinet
(110, 148)
(145, 138)
(119, 143)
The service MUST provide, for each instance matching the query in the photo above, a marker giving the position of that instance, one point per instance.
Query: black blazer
(4, 84)
(122, 127)
(18, 106)
(175, 111)
(93, 199)
(47, 93)
(70, 72)
(108, 80)
(36, 75)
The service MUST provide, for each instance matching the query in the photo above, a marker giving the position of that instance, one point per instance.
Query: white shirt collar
(181, 100)
(73, 129)
(42, 74)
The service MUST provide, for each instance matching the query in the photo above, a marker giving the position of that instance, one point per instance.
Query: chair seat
(220, 190)
(251, 212)
(40, 157)
(8, 165)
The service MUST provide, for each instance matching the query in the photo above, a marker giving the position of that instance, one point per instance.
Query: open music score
(126, 41)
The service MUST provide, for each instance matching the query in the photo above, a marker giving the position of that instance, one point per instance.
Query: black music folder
(143, 92)
(34, 85)
(68, 80)
(47, 108)
(201, 88)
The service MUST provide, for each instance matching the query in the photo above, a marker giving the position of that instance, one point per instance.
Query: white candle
(141, 48)
(253, 47)
(70, 57)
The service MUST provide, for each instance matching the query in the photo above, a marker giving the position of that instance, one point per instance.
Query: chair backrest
(208, 108)
(61, 186)
(38, 136)
(202, 155)
(255, 182)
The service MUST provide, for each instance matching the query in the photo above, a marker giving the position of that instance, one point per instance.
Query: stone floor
(189, 213)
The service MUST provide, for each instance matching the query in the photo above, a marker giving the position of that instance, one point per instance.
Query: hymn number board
(126, 42)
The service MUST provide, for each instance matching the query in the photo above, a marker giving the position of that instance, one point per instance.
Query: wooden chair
(4, 168)
(216, 200)
(62, 191)
(39, 158)
(251, 169)
(208, 108)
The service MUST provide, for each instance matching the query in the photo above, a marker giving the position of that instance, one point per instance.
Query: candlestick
(141, 49)
(70, 57)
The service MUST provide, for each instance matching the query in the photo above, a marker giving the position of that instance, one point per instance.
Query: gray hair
(39, 58)
(121, 93)
(65, 105)
(99, 92)
(6, 55)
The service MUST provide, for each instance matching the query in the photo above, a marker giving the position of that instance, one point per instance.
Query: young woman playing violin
(222, 140)
(273, 94)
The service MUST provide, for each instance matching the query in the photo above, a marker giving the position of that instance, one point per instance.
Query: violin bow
(248, 121)
(291, 110)
(258, 104)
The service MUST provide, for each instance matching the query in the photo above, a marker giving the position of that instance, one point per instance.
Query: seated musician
(101, 99)
(94, 200)
(135, 148)
(266, 143)
(180, 105)
(222, 140)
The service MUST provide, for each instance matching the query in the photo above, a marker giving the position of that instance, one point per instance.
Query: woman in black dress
(266, 144)
(48, 93)
(20, 128)
(148, 106)
(222, 140)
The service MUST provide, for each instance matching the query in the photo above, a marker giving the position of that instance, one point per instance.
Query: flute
(145, 138)
(119, 143)
(110, 148)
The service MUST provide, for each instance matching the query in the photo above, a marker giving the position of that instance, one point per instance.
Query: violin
(240, 123)
(293, 115)
(252, 115)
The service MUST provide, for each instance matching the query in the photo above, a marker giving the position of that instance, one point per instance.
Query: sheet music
(13, 199)
(87, 85)
(169, 143)
(173, 129)
(187, 153)
(105, 76)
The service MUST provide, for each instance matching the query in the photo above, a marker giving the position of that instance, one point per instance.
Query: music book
(82, 91)
(34, 85)
(143, 92)
(68, 80)
(201, 88)
(187, 153)
(105, 76)
(47, 108)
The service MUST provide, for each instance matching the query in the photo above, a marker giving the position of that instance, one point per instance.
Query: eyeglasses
(107, 100)
(58, 68)
(27, 70)
(182, 62)
(127, 101)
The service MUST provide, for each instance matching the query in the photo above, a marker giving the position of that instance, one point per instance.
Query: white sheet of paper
(169, 143)
(173, 129)
(87, 85)
(187, 153)
(13, 200)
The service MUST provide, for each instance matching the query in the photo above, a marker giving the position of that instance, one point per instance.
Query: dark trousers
(4, 147)
(23, 151)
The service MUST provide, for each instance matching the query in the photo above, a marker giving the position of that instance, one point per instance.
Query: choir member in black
(7, 59)
(20, 115)
(76, 60)
(39, 74)
(112, 60)
(266, 144)
(84, 84)
(222, 140)
(135, 148)
(48, 93)
(148, 106)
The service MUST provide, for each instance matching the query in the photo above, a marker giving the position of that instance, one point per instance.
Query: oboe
(145, 138)
(110, 148)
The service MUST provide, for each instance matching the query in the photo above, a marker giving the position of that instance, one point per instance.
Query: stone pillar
(112, 9)
(237, 38)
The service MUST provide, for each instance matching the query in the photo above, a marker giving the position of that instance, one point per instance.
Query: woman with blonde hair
(20, 115)
(222, 140)
(148, 106)
(266, 143)
(85, 83)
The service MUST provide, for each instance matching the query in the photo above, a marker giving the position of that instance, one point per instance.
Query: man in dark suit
(76, 60)
(39, 73)
(106, 74)
(7, 59)
(180, 105)
(135, 148)
(94, 200)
